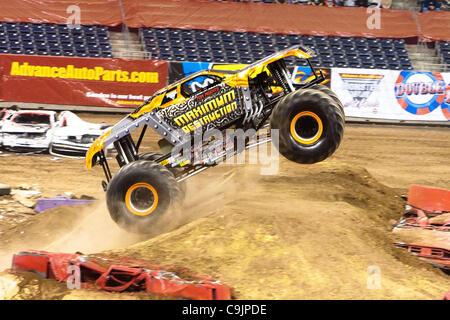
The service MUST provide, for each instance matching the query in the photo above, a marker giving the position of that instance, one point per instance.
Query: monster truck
(308, 116)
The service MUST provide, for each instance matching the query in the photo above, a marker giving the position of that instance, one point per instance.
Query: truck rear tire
(310, 124)
(140, 194)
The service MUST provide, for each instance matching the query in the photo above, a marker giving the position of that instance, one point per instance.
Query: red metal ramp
(64, 267)
(429, 199)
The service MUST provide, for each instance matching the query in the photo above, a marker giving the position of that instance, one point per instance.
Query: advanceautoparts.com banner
(80, 81)
(393, 95)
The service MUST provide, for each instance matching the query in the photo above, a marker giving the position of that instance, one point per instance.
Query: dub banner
(393, 95)
(80, 81)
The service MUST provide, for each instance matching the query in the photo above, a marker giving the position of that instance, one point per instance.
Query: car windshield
(32, 118)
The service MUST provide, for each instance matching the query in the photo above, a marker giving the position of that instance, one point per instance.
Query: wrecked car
(41, 131)
(27, 130)
(72, 136)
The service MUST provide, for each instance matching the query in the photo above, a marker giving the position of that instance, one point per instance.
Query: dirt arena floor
(307, 232)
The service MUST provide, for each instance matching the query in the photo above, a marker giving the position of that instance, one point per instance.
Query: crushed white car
(72, 136)
(27, 130)
(41, 131)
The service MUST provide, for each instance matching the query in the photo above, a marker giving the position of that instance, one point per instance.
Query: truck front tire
(140, 194)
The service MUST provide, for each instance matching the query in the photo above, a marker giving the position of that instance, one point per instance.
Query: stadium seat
(53, 39)
(443, 51)
(201, 45)
(232, 47)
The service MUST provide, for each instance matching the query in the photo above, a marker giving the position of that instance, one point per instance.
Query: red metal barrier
(429, 199)
(430, 208)
(416, 218)
(438, 257)
(119, 278)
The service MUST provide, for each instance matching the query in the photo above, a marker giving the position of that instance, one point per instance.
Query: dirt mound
(284, 237)
(315, 231)
(309, 232)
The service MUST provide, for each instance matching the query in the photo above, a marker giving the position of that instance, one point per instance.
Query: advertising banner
(80, 81)
(393, 95)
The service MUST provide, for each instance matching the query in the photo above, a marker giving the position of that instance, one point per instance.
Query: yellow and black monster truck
(308, 116)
